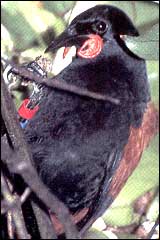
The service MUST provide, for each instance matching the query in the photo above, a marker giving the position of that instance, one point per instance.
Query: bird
(85, 149)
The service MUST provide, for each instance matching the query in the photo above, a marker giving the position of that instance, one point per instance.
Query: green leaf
(95, 234)
(58, 7)
(126, 236)
(6, 41)
(153, 77)
(153, 210)
(19, 28)
(119, 216)
(25, 22)
(147, 45)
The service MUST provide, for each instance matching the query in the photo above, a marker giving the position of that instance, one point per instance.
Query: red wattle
(91, 47)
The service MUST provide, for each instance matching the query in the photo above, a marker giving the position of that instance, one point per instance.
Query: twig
(10, 225)
(16, 210)
(6, 206)
(151, 233)
(44, 223)
(8, 154)
(25, 167)
(25, 195)
(54, 83)
(122, 229)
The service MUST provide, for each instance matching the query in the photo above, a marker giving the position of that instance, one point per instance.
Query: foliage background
(27, 28)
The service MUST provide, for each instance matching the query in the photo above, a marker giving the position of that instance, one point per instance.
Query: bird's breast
(71, 139)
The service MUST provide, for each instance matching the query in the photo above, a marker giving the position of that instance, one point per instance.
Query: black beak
(66, 39)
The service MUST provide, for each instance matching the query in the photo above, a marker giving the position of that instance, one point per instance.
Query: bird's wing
(138, 140)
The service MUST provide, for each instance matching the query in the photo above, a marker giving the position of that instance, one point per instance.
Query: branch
(16, 210)
(10, 225)
(7, 206)
(151, 233)
(25, 168)
(54, 83)
(44, 224)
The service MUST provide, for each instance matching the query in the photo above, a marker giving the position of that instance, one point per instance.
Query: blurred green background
(29, 26)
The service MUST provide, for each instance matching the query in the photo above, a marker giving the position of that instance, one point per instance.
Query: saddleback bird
(85, 149)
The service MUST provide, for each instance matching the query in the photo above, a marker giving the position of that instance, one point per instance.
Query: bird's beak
(66, 39)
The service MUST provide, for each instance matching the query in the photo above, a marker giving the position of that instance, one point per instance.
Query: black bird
(85, 149)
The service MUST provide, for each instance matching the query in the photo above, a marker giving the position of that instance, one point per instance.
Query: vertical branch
(16, 210)
(151, 233)
(44, 224)
(10, 225)
(23, 166)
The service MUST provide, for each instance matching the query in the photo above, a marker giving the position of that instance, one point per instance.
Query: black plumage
(78, 142)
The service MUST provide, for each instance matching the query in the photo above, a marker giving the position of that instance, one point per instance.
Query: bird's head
(102, 62)
(96, 25)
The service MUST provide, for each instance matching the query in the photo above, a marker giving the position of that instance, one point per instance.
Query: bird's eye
(100, 27)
